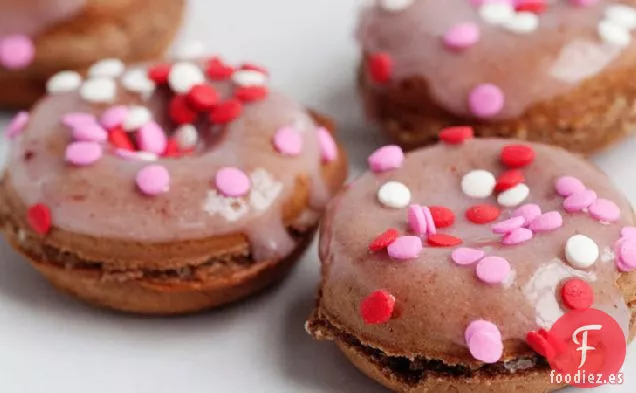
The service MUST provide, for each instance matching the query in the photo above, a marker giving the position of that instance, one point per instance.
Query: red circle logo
(589, 349)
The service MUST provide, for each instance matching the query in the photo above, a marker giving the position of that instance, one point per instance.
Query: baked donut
(556, 72)
(490, 235)
(39, 38)
(170, 189)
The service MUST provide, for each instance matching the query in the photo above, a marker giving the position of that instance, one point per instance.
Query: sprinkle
(106, 68)
(431, 229)
(581, 251)
(579, 201)
(442, 240)
(39, 218)
(496, 12)
(513, 196)
(509, 225)
(481, 325)
(226, 111)
(540, 344)
(547, 222)
(17, 125)
(462, 35)
(628, 232)
(482, 214)
(605, 210)
(63, 81)
(138, 81)
(486, 100)
(386, 158)
(614, 34)
(202, 97)
(456, 135)
(183, 76)
(250, 93)
(493, 270)
(443, 217)
(528, 211)
(485, 347)
(621, 15)
(577, 294)
(509, 179)
(626, 250)
(232, 182)
(159, 73)
(584, 3)
(180, 112)
(135, 155)
(405, 247)
(534, 6)
(137, 117)
(478, 183)
(377, 308)
(16, 52)
(568, 185)
(83, 153)
(217, 70)
(249, 78)
(90, 132)
(151, 138)
(153, 180)
(517, 156)
(517, 236)
(380, 67)
(394, 194)
(327, 145)
(186, 136)
(395, 5)
(288, 141)
(383, 240)
(522, 22)
(416, 220)
(254, 67)
(98, 90)
(467, 256)
(119, 138)
(189, 51)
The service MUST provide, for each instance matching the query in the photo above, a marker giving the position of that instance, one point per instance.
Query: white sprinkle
(514, 196)
(622, 15)
(186, 136)
(183, 76)
(107, 68)
(98, 90)
(394, 194)
(189, 51)
(496, 12)
(478, 183)
(137, 117)
(581, 251)
(249, 78)
(63, 81)
(395, 5)
(146, 156)
(614, 34)
(137, 81)
(522, 22)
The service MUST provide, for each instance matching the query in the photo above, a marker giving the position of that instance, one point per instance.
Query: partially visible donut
(167, 189)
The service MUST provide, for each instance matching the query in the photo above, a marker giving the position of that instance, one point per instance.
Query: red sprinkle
(442, 216)
(119, 138)
(380, 67)
(456, 135)
(577, 294)
(217, 70)
(254, 67)
(509, 179)
(534, 6)
(172, 148)
(226, 111)
(159, 73)
(384, 240)
(202, 97)
(39, 217)
(538, 341)
(180, 112)
(442, 240)
(377, 308)
(251, 93)
(517, 156)
(482, 214)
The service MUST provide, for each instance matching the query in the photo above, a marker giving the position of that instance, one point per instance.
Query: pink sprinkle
(509, 225)
(628, 232)
(416, 220)
(579, 201)
(328, 147)
(83, 153)
(17, 124)
(386, 158)
(583, 3)
(89, 132)
(605, 210)
(485, 347)
(76, 119)
(462, 35)
(493, 270)
(481, 325)
(151, 138)
(486, 100)
(288, 141)
(467, 256)
(430, 222)
(547, 222)
(16, 51)
(232, 182)
(518, 236)
(529, 211)
(405, 247)
(568, 185)
(114, 116)
(153, 180)
(626, 260)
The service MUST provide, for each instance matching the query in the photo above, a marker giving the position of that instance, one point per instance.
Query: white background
(49, 343)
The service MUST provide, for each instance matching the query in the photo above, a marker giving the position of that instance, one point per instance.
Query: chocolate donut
(497, 236)
(167, 189)
(556, 72)
(39, 38)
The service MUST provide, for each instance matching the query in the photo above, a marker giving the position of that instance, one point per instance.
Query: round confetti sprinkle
(577, 294)
(405, 247)
(534, 6)
(485, 347)
(106, 68)
(547, 222)
(509, 225)
(431, 229)
(514, 196)
(159, 73)
(481, 325)
(39, 218)
(232, 182)
(380, 67)
(202, 97)
(394, 195)
(626, 258)
(383, 240)
(137, 117)
(467, 256)
(482, 214)
(90, 132)
(180, 112)
(605, 210)
(183, 76)
(528, 211)
(386, 158)
(186, 136)
(137, 81)
(568, 185)
(249, 78)
(517, 156)
(614, 34)
(579, 201)
(486, 100)
(462, 35)
(153, 180)
(114, 116)
(443, 240)
(83, 153)
(328, 146)
(250, 93)
(17, 124)
(16, 52)
(496, 12)
(416, 220)
(518, 236)
(523, 22)
(443, 217)
(98, 90)
(478, 183)
(288, 141)
(581, 251)
(151, 138)
(217, 70)
(509, 179)
(63, 81)
(226, 111)
(493, 270)
(119, 138)
(377, 308)
(456, 135)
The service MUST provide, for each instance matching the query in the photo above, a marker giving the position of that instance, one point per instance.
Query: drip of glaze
(269, 239)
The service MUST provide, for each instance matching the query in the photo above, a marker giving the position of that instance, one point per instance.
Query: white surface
(49, 343)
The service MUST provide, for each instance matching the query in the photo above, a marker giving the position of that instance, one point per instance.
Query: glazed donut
(557, 72)
(39, 38)
(494, 236)
(169, 189)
